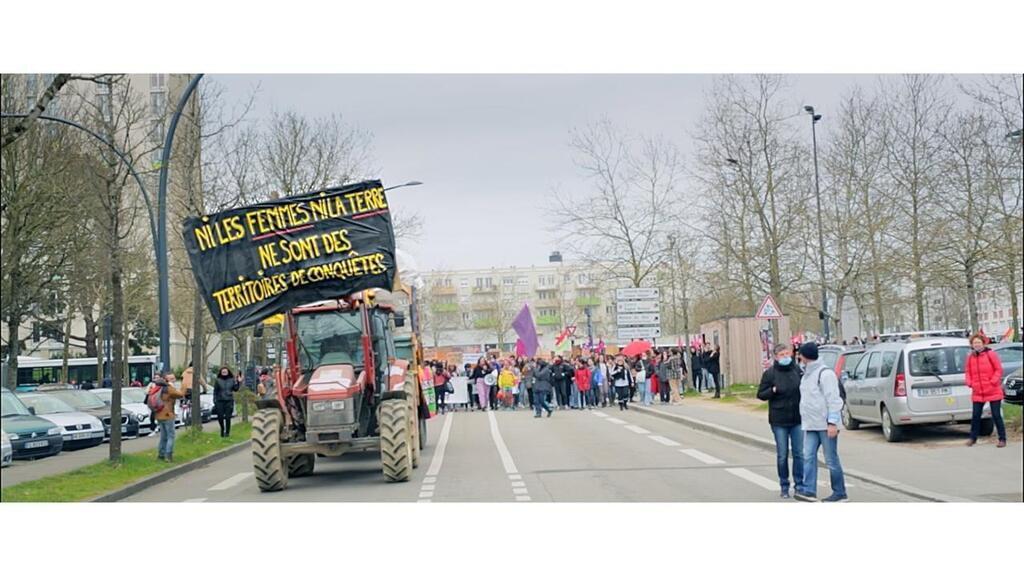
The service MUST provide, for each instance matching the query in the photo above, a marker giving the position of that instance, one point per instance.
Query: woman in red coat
(583, 383)
(984, 376)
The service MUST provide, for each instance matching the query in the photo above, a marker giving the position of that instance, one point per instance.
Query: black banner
(253, 262)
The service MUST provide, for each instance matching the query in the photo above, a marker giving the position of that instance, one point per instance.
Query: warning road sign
(768, 310)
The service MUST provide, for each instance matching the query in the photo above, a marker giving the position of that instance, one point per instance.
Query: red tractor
(343, 388)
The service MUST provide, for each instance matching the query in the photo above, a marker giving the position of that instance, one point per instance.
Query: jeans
(716, 379)
(574, 397)
(784, 437)
(812, 440)
(165, 448)
(224, 413)
(439, 394)
(541, 401)
(705, 378)
(997, 418)
(663, 390)
(646, 396)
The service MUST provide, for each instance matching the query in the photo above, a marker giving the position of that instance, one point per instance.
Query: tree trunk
(198, 360)
(67, 349)
(13, 349)
(972, 299)
(90, 335)
(1011, 284)
(117, 347)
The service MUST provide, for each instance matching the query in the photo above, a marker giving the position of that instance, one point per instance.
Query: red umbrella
(636, 347)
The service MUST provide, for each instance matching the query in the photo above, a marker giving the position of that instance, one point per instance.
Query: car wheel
(849, 422)
(891, 432)
(987, 427)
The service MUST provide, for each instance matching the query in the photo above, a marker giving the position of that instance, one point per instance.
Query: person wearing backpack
(820, 407)
(161, 399)
(224, 399)
(983, 375)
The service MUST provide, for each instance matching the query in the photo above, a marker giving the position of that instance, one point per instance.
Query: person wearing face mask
(780, 387)
(983, 375)
(820, 407)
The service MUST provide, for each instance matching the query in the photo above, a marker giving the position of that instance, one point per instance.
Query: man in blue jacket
(820, 407)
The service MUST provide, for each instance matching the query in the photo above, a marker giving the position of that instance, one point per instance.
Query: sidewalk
(932, 461)
(25, 470)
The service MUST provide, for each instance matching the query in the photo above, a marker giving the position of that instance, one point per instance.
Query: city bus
(35, 371)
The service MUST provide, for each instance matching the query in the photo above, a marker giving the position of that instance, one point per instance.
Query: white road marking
(615, 421)
(506, 458)
(755, 478)
(697, 454)
(515, 477)
(520, 491)
(430, 480)
(600, 414)
(663, 440)
(422, 501)
(637, 429)
(442, 443)
(518, 484)
(522, 498)
(194, 500)
(230, 482)
(426, 495)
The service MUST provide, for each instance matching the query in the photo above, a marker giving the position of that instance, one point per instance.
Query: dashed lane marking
(698, 455)
(430, 479)
(600, 414)
(615, 421)
(519, 489)
(230, 482)
(637, 429)
(663, 440)
(194, 500)
(754, 478)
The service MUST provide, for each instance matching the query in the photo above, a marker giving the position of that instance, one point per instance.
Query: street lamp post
(821, 233)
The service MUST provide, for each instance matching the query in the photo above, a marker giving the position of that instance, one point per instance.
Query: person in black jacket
(561, 378)
(780, 386)
(224, 399)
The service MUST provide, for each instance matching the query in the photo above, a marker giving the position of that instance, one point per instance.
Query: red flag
(1008, 335)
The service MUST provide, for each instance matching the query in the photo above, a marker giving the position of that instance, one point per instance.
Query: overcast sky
(491, 148)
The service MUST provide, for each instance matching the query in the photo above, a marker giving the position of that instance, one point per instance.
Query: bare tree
(622, 226)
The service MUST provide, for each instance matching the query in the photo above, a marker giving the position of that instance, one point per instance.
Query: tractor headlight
(319, 406)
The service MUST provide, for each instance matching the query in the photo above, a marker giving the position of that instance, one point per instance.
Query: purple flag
(527, 332)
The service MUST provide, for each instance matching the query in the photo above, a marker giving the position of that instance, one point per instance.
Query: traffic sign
(768, 310)
(632, 332)
(636, 294)
(637, 306)
(638, 319)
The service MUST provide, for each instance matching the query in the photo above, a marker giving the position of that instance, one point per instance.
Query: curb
(170, 473)
(765, 444)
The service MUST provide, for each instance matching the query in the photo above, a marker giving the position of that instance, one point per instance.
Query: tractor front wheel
(301, 465)
(395, 440)
(268, 461)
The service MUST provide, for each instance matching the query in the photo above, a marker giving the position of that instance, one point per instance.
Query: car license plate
(37, 444)
(81, 436)
(124, 429)
(933, 392)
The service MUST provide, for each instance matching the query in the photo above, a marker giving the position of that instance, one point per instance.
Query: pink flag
(520, 347)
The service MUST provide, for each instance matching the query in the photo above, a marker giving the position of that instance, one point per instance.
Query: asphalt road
(575, 456)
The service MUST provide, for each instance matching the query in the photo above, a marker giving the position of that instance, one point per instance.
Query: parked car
(133, 400)
(30, 436)
(899, 384)
(1011, 356)
(85, 401)
(6, 451)
(79, 430)
(1012, 387)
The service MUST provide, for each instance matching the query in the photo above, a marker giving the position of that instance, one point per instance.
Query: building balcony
(583, 302)
(444, 290)
(445, 307)
(484, 323)
(485, 289)
(546, 288)
(545, 304)
(484, 305)
(548, 321)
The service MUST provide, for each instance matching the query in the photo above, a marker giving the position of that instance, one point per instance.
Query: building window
(508, 281)
(157, 103)
(105, 106)
(158, 82)
(464, 283)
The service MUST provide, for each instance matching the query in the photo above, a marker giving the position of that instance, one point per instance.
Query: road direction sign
(638, 319)
(636, 294)
(636, 306)
(768, 310)
(632, 332)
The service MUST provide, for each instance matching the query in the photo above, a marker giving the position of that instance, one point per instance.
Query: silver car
(899, 384)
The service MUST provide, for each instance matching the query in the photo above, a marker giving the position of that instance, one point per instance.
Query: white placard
(636, 294)
(637, 306)
(638, 319)
(639, 332)
(461, 393)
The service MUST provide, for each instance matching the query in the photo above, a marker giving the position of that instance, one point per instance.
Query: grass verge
(95, 479)
(1012, 415)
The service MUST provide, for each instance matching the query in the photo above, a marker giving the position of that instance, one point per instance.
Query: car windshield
(329, 338)
(133, 396)
(12, 406)
(46, 404)
(79, 399)
(829, 358)
(851, 360)
(104, 394)
(938, 361)
(1011, 355)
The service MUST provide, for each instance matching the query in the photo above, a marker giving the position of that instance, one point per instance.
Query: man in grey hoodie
(820, 407)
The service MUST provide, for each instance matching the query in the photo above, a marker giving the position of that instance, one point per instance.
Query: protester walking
(167, 394)
(780, 387)
(675, 370)
(699, 373)
(621, 378)
(662, 371)
(224, 389)
(440, 381)
(714, 369)
(582, 381)
(820, 407)
(542, 388)
(479, 376)
(561, 379)
(984, 376)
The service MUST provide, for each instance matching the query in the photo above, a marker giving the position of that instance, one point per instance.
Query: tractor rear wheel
(301, 465)
(395, 440)
(268, 461)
